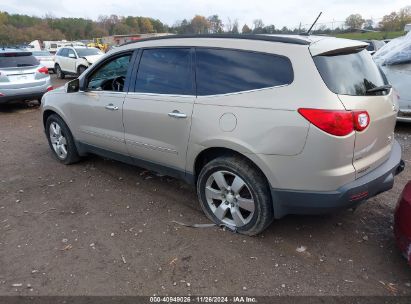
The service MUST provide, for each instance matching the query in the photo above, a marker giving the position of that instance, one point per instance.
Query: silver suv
(22, 77)
(264, 126)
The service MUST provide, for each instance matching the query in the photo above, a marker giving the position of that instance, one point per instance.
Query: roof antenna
(309, 31)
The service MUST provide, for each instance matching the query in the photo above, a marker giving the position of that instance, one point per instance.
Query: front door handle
(111, 107)
(177, 114)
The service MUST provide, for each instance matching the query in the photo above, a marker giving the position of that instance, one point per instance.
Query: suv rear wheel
(234, 193)
(59, 72)
(60, 140)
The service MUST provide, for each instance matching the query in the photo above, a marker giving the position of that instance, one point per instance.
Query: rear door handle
(111, 107)
(177, 114)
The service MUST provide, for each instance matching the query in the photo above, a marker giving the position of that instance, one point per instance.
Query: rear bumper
(307, 202)
(30, 93)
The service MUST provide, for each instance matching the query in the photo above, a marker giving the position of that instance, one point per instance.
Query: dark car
(402, 226)
(374, 45)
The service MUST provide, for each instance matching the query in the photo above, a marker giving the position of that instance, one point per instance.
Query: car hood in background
(397, 51)
(93, 58)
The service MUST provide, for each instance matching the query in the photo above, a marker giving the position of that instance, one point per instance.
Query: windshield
(350, 74)
(16, 60)
(88, 52)
(41, 53)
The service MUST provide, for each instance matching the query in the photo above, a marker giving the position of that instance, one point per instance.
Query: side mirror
(73, 86)
(72, 56)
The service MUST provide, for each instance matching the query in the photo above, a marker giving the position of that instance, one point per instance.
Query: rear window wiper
(382, 88)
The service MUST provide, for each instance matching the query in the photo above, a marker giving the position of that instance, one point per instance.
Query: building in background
(117, 40)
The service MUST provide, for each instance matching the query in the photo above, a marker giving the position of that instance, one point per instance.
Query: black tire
(72, 154)
(59, 72)
(255, 181)
(80, 70)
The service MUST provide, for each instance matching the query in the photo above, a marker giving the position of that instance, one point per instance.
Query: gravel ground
(104, 228)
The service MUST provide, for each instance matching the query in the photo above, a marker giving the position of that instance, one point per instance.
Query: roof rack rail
(283, 39)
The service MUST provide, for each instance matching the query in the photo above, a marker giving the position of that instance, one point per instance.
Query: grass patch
(371, 35)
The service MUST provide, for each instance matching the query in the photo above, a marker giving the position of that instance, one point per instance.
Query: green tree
(354, 21)
(146, 26)
(390, 22)
(215, 24)
(404, 17)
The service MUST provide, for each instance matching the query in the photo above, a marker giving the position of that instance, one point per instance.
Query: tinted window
(228, 71)
(16, 60)
(88, 52)
(165, 71)
(110, 76)
(350, 74)
(62, 52)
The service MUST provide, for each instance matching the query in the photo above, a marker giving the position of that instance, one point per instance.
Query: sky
(280, 13)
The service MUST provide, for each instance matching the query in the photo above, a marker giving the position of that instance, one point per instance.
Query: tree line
(17, 28)
(392, 22)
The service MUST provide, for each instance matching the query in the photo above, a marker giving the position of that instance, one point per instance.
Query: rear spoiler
(333, 46)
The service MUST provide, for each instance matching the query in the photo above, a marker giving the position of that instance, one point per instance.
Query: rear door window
(165, 71)
(350, 74)
(63, 52)
(18, 59)
(222, 71)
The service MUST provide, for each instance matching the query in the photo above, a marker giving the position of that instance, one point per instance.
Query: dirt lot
(104, 228)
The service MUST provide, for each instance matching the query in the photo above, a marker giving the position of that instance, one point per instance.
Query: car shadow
(16, 106)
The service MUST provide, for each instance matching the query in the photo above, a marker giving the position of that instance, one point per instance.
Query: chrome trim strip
(118, 139)
(148, 146)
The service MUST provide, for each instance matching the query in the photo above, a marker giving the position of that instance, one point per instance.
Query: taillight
(337, 122)
(49, 88)
(43, 70)
(361, 120)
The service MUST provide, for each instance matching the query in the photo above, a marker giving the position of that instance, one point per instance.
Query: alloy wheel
(58, 140)
(229, 198)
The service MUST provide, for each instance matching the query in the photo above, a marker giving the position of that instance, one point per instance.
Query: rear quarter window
(165, 71)
(16, 60)
(222, 71)
(350, 74)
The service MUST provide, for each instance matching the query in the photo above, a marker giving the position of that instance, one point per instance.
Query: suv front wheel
(59, 72)
(60, 140)
(232, 192)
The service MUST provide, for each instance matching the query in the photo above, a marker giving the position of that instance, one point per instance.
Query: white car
(75, 60)
(45, 58)
(395, 61)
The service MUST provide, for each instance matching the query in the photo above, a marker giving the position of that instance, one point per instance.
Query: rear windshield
(16, 60)
(350, 74)
(88, 52)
